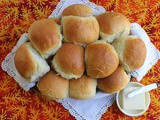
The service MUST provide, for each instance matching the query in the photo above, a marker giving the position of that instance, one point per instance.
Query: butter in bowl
(132, 106)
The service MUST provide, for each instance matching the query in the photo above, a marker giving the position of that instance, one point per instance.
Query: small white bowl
(132, 112)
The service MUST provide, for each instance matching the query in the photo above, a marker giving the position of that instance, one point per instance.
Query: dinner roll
(45, 36)
(53, 86)
(101, 59)
(80, 30)
(114, 82)
(69, 61)
(82, 88)
(113, 25)
(131, 51)
(29, 63)
(78, 10)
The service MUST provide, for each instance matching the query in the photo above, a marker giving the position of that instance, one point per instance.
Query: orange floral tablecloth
(15, 19)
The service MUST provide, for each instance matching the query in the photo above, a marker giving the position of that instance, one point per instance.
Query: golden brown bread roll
(69, 61)
(78, 10)
(101, 59)
(82, 88)
(80, 30)
(45, 36)
(29, 63)
(53, 86)
(131, 51)
(114, 82)
(113, 25)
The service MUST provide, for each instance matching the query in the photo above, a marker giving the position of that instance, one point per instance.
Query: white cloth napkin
(91, 109)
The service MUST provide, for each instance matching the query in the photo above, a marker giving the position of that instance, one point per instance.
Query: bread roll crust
(24, 62)
(135, 53)
(78, 10)
(82, 88)
(112, 22)
(131, 51)
(80, 30)
(101, 59)
(53, 86)
(29, 64)
(113, 25)
(114, 82)
(45, 36)
(70, 60)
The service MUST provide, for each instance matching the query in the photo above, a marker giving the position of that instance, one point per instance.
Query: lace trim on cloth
(109, 101)
(106, 105)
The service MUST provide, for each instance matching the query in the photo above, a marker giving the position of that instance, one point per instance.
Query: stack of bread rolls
(78, 54)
